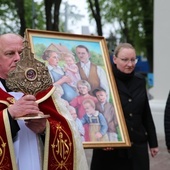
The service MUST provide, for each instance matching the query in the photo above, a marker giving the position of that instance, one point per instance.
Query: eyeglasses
(126, 61)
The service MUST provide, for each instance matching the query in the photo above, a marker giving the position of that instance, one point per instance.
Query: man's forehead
(81, 49)
(8, 39)
(11, 44)
(10, 47)
(9, 36)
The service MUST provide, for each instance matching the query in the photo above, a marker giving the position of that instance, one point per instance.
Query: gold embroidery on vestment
(2, 153)
(11, 100)
(61, 147)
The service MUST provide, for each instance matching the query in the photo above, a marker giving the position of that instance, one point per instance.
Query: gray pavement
(160, 162)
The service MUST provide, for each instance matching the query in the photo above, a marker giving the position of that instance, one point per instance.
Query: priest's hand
(24, 106)
(36, 125)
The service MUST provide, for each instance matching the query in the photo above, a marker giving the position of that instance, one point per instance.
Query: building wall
(161, 62)
(161, 49)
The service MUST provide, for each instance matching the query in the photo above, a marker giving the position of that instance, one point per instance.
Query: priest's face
(10, 49)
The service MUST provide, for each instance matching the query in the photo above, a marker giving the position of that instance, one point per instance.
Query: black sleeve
(167, 122)
(149, 124)
(42, 136)
(14, 126)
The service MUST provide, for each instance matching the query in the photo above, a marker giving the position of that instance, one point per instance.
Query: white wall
(157, 107)
(161, 62)
(161, 49)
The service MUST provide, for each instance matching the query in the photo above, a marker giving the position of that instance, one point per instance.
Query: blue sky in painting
(92, 46)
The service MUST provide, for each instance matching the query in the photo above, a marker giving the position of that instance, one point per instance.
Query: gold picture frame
(67, 43)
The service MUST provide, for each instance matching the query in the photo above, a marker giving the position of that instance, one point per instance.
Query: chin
(128, 72)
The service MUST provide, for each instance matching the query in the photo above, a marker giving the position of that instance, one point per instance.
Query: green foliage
(133, 20)
(119, 134)
(39, 50)
(8, 17)
(96, 58)
(35, 17)
(10, 21)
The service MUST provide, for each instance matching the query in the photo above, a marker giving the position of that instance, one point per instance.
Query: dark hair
(82, 46)
(97, 90)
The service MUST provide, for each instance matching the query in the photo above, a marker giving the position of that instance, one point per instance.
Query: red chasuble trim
(9, 143)
(59, 149)
(7, 157)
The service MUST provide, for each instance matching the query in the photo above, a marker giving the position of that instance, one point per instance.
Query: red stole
(7, 159)
(60, 148)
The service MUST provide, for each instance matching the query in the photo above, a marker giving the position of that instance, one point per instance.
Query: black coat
(167, 122)
(139, 121)
(137, 111)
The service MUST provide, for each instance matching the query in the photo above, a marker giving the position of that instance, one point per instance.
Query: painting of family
(79, 74)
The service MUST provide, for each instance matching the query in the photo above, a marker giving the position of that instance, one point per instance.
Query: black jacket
(167, 122)
(139, 121)
(136, 109)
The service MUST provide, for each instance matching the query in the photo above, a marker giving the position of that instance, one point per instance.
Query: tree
(95, 11)
(19, 5)
(52, 7)
(147, 6)
(135, 20)
(18, 15)
(8, 17)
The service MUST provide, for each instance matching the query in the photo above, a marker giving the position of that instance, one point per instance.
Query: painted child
(78, 122)
(97, 123)
(108, 111)
(71, 69)
(83, 88)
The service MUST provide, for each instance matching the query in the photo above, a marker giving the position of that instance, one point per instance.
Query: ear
(114, 59)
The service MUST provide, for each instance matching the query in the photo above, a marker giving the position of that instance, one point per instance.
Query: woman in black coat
(138, 117)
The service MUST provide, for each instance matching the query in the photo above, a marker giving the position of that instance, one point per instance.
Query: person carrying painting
(134, 100)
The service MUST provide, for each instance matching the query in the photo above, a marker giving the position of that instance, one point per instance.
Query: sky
(79, 7)
(82, 19)
(91, 45)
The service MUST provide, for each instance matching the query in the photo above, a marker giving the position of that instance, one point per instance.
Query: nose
(17, 57)
(130, 63)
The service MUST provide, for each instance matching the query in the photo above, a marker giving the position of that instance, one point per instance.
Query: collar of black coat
(120, 75)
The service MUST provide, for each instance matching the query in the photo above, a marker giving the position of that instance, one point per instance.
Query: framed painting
(81, 71)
